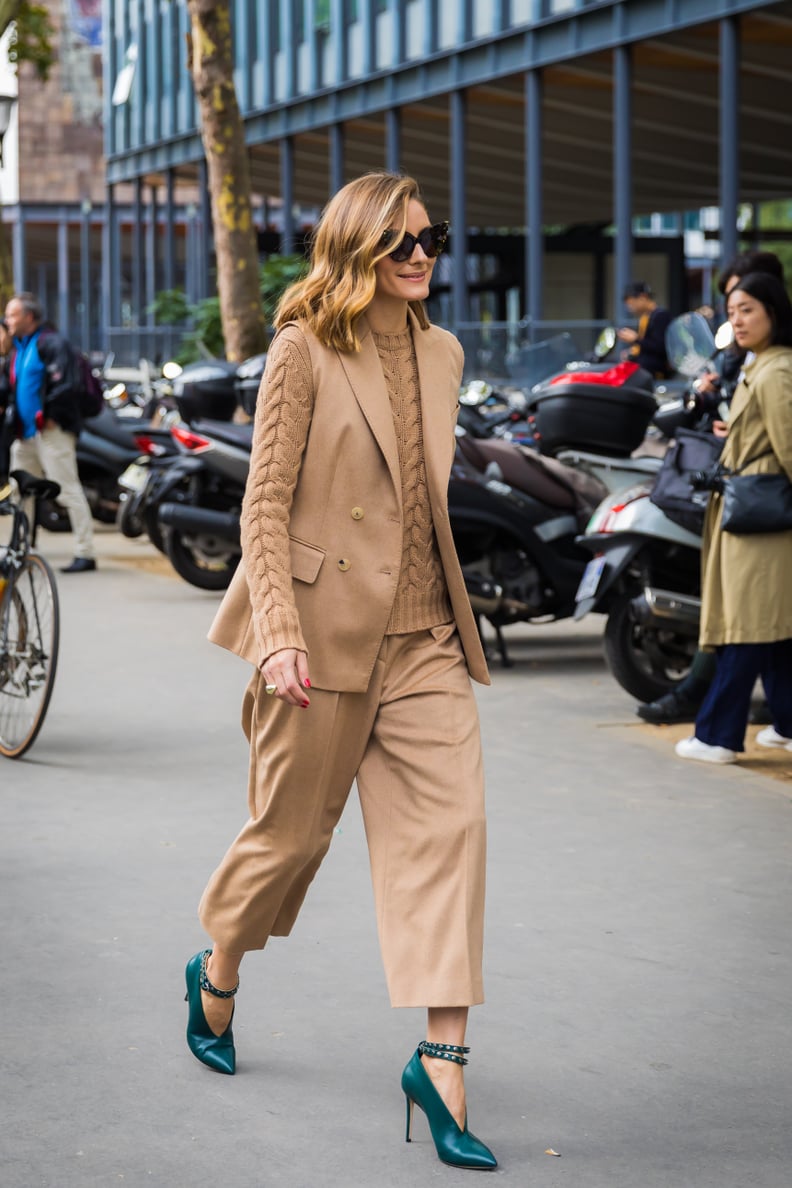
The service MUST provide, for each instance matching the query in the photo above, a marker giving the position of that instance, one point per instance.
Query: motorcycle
(645, 573)
(515, 517)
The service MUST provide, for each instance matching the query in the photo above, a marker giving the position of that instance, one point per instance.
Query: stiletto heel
(215, 1051)
(407, 1138)
(458, 1147)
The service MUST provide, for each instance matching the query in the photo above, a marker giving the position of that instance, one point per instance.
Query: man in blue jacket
(47, 416)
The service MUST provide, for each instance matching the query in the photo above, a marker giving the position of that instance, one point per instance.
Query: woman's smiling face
(408, 280)
(753, 326)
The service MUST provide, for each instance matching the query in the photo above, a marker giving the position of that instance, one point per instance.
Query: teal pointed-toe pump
(457, 1147)
(215, 1051)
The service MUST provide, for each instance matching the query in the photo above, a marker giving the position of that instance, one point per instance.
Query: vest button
(344, 565)
(357, 513)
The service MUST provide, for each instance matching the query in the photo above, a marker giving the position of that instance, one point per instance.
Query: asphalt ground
(638, 954)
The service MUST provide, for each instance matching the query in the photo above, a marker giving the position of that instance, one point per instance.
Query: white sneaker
(694, 748)
(769, 737)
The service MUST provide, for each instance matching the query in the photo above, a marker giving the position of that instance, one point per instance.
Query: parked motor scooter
(645, 574)
(203, 389)
(190, 504)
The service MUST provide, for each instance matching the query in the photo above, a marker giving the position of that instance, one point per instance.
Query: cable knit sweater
(283, 419)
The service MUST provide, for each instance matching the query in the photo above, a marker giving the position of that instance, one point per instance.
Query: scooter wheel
(646, 662)
(202, 561)
(128, 521)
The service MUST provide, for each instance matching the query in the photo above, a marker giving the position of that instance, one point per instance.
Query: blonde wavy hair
(347, 244)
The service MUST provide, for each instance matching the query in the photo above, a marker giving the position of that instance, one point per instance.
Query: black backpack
(690, 454)
(87, 388)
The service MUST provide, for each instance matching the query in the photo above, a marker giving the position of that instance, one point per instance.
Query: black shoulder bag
(754, 503)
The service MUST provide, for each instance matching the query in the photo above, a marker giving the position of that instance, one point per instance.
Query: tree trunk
(223, 136)
(9, 11)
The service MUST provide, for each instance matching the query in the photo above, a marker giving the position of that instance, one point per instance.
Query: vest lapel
(364, 373)
(436, 411)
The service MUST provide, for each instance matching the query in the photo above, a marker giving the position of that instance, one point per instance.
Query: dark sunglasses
(431, 239)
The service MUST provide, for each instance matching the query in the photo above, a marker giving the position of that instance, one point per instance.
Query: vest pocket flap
(306, 560)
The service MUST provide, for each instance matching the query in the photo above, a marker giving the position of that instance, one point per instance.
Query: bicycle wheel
(29, 636)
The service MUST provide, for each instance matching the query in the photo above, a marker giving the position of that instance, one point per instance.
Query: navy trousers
(723, 716)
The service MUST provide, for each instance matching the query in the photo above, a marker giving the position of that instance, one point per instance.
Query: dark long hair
(773, 296)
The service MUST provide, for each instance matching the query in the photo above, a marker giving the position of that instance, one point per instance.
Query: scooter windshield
(689, 344)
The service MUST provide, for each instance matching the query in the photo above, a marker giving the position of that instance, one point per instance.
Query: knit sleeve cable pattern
(283, 418)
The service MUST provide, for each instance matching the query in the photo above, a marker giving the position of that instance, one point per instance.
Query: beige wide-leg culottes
(412, 742)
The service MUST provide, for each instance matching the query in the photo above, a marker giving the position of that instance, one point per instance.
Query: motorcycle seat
(227, 431)
(521, 469)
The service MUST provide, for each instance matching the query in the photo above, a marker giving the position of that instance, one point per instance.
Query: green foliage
(202, 322)
(32, 40)
(275, 276)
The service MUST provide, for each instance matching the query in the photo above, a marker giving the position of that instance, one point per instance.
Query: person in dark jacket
(646, 344)
(46, 415)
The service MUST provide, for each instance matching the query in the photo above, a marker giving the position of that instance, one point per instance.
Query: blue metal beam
(534, 215)
(393, 139)
(591, 29)
(459, 289)
(287, 193)
(622, 174)
(336, 158)
(729, 84)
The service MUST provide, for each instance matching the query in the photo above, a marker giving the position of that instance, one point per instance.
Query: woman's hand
(287, 670)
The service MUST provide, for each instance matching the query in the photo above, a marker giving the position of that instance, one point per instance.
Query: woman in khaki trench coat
(351, 606)
(747, 579)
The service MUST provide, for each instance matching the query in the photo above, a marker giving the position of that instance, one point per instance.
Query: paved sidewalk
(638, 943)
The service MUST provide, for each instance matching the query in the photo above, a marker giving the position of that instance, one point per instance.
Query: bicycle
(29, 623)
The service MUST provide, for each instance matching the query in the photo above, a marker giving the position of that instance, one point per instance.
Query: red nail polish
(305, 705)
(307, 683)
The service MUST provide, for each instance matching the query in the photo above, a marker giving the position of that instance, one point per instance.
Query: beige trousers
(412, 742)
(52, 454)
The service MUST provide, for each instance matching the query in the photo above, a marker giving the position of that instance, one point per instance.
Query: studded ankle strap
(205, 984)
(453, 1052)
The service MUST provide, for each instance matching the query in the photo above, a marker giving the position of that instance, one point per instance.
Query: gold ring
(270, 689)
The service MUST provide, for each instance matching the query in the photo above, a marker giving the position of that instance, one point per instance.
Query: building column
(85, 274)
(19, 250)
(109, 272)
(534, 214)
(459, 288)
(622, 176)
(393, 139)
(729, 131)
(137, 252)
(336, 157)
(151, 255)
(63, 275)
(170, 230)
(287, 193)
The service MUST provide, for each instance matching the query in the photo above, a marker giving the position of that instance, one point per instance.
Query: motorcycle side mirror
(724, 336)
(606, 341)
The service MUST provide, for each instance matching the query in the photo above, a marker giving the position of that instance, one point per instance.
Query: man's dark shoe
(80, 565)
(672, 707)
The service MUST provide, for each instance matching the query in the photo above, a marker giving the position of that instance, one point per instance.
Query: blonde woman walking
(350, 604)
